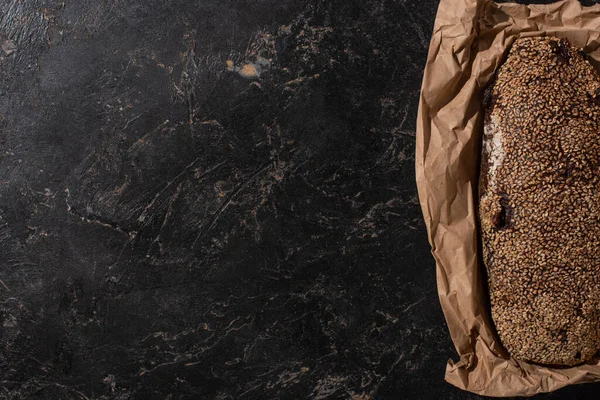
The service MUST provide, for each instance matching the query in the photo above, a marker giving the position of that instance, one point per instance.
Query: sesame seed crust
(539, 202)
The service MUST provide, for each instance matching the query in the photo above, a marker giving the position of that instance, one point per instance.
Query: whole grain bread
(539, 202)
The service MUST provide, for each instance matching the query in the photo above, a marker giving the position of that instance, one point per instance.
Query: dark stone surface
(176, 227)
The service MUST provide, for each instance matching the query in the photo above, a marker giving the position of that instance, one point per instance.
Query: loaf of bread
(539, 202)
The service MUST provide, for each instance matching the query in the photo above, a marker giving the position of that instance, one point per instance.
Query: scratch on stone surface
(144, 213)
(141, 139)
(4, 284)
(329, 386)
(70, 211)
(362, 396)
(253, 388)
(229, 199)
(133, 120)
(9, 47)
(387, 151)
(145, 371)
(378, 385)
(168, 214)
(83, 396)
(413, 304)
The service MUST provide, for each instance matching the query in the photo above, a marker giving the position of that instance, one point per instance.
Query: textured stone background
(215, 199)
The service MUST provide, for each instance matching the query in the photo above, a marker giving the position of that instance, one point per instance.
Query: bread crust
(539, 202)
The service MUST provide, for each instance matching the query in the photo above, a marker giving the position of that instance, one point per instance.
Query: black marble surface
(215, 199)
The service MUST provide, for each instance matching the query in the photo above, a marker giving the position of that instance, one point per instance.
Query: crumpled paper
(469, 41)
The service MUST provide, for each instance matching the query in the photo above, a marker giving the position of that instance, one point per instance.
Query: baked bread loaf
(539, 202)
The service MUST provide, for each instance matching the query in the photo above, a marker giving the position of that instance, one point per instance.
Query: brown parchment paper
(469, 40)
